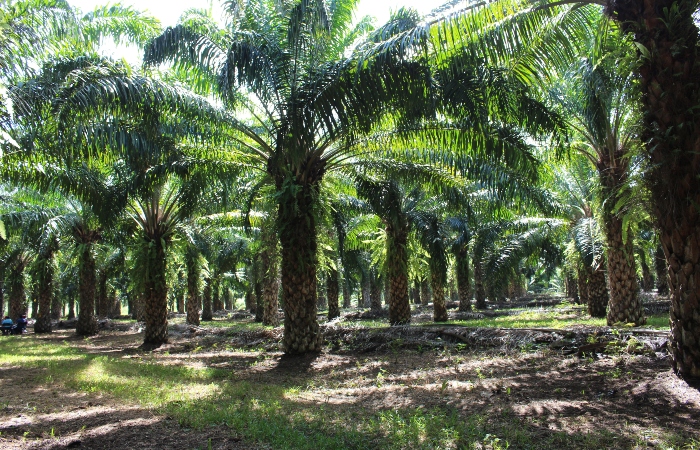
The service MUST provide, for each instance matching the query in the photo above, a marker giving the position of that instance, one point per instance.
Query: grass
(275, 414)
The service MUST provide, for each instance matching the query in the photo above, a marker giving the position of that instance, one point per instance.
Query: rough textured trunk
(669, 79)
(571, 287)
(625, 305)
(322, 302)
(45, 291)
(206, 301)
(346, 294)
(647, 277)
(397, 260)
(258, 289)
(87, 324)
(228, 300)
(375, 291)
(479, 290)
(332, 288)
(424, 292)
(138, 307)
(217, 303)
(464, 289)
(181, 302)
(597, 291)
(439, 309)
(56, 306)
(116, 304)
(71, 307)
(193, 268)
(363, 298)
(17, 295)
(297, 231)
(155, 304)
(269, 259)
(415, 293)
(102, 307)
(661, 271)
(582, 282)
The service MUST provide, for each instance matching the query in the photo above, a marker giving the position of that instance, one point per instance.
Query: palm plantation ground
(517, 376)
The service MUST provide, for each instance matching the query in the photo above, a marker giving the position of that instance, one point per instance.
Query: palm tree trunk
(582, 282)
(597, 292)
(375, 291)
(625, 305)
(269, 259)
(670, 85)
(206, 301)
(45, 287)
(86, 325)
(363, 300)
(16, 292)
(332, 292)
(647, 277)
(116, 309)
(424, 292)
(56, 305)
(480, 291)
(346, 293)
(463, 285)
(228, 304)
(297, 231)
(415, 293)
(571, 288)
(258, 289)
(397, 260)
(155, 304)
(439, 309)
(102, 309)
(193, 267)
(661, 271)
(71, 307)
(217, 304)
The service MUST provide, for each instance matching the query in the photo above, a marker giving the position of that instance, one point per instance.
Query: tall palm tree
(600, 102)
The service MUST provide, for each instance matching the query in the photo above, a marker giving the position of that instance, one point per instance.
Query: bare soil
(539, 376)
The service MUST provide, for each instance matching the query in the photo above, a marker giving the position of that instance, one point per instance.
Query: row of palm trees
(309, 105)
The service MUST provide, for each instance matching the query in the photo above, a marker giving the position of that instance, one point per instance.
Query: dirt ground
(541, 377)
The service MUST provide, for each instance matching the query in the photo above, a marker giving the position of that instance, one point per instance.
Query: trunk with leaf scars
(270, 267)
(346, 294)
(438, 285)
(217, 303)
(102, 309)
(71, 307)
(193, 268)
(155, 300)
(87, 324)
(332, 289)
(479, 289)
(258, 289)
(582, 284)
(17, 295)
(228, 303)
(464, 288)
(597, 291)
(56, 306)
(571, 288)
(669, 77)
(375, 291)
(297, 231)
(415, 293)
(661, 271)
(397, 261)
(647, 277)
(625, 306)
(114, 300)
(45, 293)
(206, 301)
(424, 292)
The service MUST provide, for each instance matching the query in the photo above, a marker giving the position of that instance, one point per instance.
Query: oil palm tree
(600, 101)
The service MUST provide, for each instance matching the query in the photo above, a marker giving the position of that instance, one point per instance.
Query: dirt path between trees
(633, 396)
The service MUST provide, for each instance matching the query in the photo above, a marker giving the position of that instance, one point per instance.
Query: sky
(169, 11)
